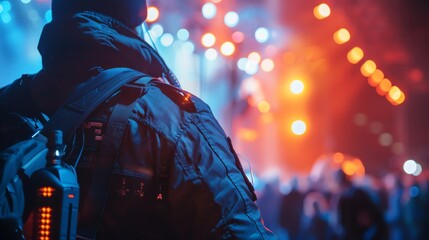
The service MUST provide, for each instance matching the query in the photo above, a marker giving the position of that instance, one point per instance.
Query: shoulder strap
(95, 201)
(87, 97)
(96, 197)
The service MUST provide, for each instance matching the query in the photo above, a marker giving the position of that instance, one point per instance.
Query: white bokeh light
(410, 166)
(210, 54)
(209, 10)
(167, 39)
(262, 35)
(231, 19)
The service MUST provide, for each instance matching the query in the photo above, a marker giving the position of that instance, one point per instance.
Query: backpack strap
(88, 96)
(96, 197)
(95, 201)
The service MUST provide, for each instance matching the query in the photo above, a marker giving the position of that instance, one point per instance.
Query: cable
(145, 29)
(81, 148)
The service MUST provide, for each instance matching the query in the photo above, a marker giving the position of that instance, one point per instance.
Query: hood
(71, 48)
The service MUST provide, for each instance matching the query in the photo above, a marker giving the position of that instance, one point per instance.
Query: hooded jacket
(207, 197)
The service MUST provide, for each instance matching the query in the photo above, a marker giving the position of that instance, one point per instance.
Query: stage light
(355, 55)
(298, 127)
(227, 48)
(209, 10)
(152, 14)
(262, 35)
(368, 68)
(208, 40)
(296, 86)
(25, 1)
(231, 19)
(376, 78)
(341, 36)
(322, 11)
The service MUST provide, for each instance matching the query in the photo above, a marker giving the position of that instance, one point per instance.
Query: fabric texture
(207, 197)
(130, 12)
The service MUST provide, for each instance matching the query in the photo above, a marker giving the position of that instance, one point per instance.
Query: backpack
(21, 159)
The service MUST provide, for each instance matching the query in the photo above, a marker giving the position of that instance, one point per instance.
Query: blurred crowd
(341, 207)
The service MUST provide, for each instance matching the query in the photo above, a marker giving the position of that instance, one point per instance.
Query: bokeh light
(355, 55)
(296, 86)
(400, 100)
(384, 87)
(341, 36)
(209, 10)
(152, 14)
(156, 30)
(368, 68)
(267, 65)
(48, 16)
(322, 11)
(210, 54)
(208, 40)
(183, 34)
(375, 78)
(231, 19)
(167, 39)
(241, 63)
(251, 67)
(237, 37)
(264, 107)
(254, 56)
(394, 94)
(188, 47)
(227, 48)
(299, 127)
(410, 166)
(262, 35)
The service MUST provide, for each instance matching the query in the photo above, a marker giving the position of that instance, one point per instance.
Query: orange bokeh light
(341, 36)
(355, 55)
(384, 87)
(368, 68)
(152, 14)
(322, 11)
(376, 78)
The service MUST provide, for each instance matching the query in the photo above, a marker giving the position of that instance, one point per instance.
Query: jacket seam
(205, 134)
